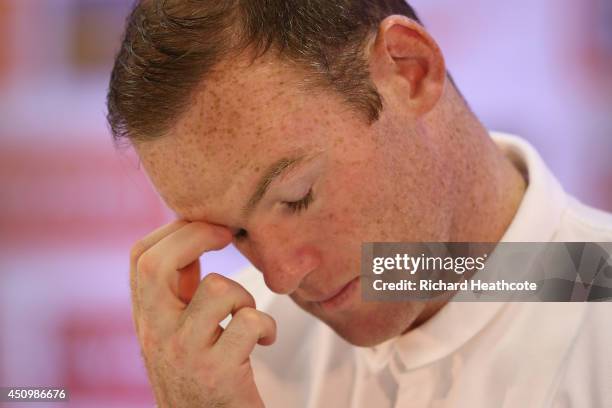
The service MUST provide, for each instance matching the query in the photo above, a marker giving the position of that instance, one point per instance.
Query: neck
(492, 193)
(488, 194)
(489, 188)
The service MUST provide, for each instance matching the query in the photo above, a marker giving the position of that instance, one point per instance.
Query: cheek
(338, 219)
(355, 204)
(342, 225)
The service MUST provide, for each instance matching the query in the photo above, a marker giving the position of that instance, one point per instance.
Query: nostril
(285, 276)
(276, 283)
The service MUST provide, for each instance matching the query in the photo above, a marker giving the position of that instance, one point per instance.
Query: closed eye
(301, 205)
(294, 206)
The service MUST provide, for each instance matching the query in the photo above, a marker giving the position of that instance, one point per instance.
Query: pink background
(71, 205)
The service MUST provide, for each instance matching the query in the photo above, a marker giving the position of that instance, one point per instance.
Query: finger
(158, 271)
(215, 298)
(248, 327)
(136, 252)
(182, 247)
(189, 279)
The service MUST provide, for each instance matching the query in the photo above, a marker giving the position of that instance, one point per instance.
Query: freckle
(256, 169)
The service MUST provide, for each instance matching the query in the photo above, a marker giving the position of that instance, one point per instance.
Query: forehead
(243, 117)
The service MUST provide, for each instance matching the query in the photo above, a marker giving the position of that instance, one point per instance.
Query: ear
(407, 65)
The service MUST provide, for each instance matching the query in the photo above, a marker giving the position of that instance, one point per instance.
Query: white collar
(536, 220)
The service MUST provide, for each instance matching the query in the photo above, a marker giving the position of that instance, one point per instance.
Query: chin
(372, 323)
(362, 338)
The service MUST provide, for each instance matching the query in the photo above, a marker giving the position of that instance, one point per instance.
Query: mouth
(341, 298)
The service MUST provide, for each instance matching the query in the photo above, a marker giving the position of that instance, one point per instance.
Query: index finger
(138, 249)
(158, 270)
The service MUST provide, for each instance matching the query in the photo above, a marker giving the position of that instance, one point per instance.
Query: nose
(284, 261)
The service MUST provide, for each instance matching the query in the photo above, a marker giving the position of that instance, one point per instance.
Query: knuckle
(251, 299)
(136, 251)
(232, 339)
(249, 317)
(216, 284)
(147, 264)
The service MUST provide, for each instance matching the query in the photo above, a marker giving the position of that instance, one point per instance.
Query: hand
(190, 359)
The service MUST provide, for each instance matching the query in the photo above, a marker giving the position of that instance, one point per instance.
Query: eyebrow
(274, 171)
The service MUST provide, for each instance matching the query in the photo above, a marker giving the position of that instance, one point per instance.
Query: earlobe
(409, 62)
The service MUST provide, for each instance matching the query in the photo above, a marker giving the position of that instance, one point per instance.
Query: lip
(342, 297)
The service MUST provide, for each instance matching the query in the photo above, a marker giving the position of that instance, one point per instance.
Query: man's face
(309, 180)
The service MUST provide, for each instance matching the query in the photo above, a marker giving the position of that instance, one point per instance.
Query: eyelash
(295, 207)
(301, 205)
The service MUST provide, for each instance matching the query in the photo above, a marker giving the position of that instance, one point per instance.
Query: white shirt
(489, 355)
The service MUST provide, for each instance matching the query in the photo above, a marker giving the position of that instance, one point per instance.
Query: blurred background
(71, 205)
